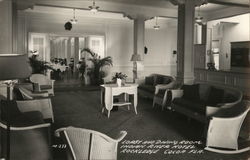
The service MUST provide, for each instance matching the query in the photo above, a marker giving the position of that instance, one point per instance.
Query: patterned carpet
(152, 134)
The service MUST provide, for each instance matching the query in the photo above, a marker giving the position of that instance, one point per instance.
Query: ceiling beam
(229, 3)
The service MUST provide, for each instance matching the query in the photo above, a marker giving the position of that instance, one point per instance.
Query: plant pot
(119, 82)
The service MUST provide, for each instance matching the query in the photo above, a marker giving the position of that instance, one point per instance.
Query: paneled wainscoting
(232, 79)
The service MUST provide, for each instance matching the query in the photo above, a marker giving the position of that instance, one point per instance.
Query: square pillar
(185, 43)
(139, 40)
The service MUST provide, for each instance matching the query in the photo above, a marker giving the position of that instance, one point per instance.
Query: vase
(119, 82)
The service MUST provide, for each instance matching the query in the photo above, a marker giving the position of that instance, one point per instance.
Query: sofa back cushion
(216, 96)
(163, 79)
(191, 92)
(159, 79)
(204, 90)
(150, 80)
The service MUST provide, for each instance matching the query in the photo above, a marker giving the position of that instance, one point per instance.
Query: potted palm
(96, 73)
(38, 66)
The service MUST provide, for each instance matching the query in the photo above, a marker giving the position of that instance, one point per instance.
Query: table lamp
(135, 58)
(12, 67)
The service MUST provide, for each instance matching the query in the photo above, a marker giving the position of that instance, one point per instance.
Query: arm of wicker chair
(120, 136)
(28, 95)
(164, 86)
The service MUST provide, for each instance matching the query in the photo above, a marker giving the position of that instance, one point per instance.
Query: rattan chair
(42, 83)
(29, 94)
(89, 144)
(223, 133)
(27, 137)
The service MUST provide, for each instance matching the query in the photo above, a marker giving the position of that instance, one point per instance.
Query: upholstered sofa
(201, 101)
(153, 83)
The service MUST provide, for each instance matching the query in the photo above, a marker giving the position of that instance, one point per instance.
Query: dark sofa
(153, 83)
(200, 101)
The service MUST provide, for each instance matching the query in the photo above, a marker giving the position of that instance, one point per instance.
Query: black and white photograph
(124, 79)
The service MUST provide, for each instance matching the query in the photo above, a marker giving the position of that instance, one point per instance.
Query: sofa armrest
(163, 86)
(176, 93)
(228, 105)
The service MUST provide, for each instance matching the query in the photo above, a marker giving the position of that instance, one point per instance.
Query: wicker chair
(42, 83)
(223, 133)
(29, 136)
(29, 94)
(42, 105)
(89, 144)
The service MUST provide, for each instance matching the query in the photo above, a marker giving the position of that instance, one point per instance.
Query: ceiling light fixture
(74, 20)
(156, 26)
(199, 18)
(94, 8)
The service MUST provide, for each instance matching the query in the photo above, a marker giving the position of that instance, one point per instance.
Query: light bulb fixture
(74, 20)
(94, 8)
(156, 26)
(199, 18)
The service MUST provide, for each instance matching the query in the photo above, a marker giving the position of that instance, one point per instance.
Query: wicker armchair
(29, 136)
(89, 144)
(223, 133)
(29, 94)
(42, 83)
(42, 105)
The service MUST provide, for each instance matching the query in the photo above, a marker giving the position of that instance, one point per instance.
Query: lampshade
(14, 66)
(136, 57)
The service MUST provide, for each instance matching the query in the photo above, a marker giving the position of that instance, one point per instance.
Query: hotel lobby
(125, 79)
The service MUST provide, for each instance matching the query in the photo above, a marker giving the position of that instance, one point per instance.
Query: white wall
(119, 41)
(231, 32)
(161, 44)
(6, 27)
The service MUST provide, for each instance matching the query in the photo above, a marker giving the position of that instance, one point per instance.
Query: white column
(76, 53)
(139, 40)
(185, 44)
(68, 50)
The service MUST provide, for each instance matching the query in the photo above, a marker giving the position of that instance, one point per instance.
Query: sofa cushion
(149, 80)
(191, 92)
(215, 96)
(229, 98)
(148, 88)
(167, 80)
(159, 80)
(204, 91)
(196, 106)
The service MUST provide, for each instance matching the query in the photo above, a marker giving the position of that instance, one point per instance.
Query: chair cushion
(45, 87)
(196, 106)
(191, 92)
(27, 119)
(149, 80)
(215, 96)
(148, 88)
